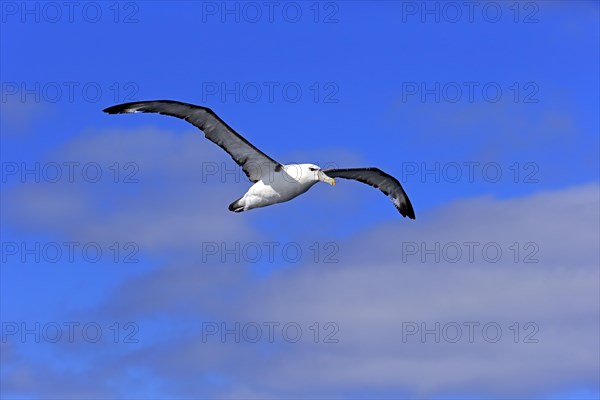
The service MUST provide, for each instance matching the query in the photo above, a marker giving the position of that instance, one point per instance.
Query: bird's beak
(325, 178)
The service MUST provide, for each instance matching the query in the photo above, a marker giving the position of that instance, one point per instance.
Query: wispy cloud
(388, 281)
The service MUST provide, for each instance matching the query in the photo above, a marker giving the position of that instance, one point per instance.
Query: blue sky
(488, 116)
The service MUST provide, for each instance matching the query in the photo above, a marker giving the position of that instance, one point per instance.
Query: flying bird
(273, 182)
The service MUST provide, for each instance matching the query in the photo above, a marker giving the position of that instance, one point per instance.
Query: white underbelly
(261, 194)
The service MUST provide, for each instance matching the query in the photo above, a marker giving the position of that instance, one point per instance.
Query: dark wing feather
(254, 162)
(382, 181)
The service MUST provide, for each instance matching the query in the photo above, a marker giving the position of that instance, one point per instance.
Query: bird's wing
(382, 181)
(254, 162)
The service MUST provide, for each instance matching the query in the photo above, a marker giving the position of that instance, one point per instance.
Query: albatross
(273, 182)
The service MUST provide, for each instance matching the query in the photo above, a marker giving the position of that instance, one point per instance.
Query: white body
(291, 181)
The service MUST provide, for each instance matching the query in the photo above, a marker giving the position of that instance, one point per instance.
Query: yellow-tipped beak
(329, 180)
(325, 178)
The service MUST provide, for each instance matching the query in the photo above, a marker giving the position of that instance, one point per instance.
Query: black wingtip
(408, 213)
(407, 210)
(118, 109)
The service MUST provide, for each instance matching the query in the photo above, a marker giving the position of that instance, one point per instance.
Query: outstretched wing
(254, 162)
(382, 181)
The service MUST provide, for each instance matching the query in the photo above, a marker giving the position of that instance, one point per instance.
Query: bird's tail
(237, 205)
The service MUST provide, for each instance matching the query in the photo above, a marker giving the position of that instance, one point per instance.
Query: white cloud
(369, 298)
(369, 294)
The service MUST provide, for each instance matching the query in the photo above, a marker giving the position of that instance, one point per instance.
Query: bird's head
(315, 173)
